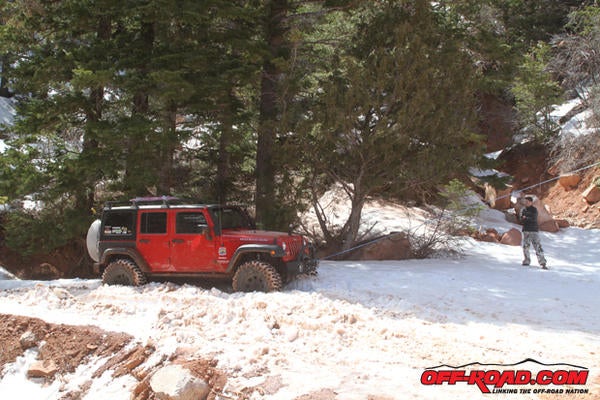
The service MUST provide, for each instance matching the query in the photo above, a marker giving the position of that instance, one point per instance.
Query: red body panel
(154, 247)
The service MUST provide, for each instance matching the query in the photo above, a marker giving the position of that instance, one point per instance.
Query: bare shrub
(572, 152)
(434, 238)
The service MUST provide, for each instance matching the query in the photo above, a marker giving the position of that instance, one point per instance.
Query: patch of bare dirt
(570, 205)
(527, 164)
(65, 345)
(62, 348)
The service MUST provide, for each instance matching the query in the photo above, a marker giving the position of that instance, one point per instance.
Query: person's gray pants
(533, 239)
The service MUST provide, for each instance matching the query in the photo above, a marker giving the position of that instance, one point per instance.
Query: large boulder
(174, 382)
(543, 213)
(503, 199)
(396, 246)
(512, 238)
(592, 194)
(569, 181)
(549, 226)
(490, 235)
(498, 199)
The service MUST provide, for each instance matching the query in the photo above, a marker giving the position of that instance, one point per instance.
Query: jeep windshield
(231, 218)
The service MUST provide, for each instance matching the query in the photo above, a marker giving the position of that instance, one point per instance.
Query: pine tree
(290, 61)
(105, 82)
(397, 116)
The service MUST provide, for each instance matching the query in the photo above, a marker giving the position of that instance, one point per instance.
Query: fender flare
(127, 252)
(271, 249)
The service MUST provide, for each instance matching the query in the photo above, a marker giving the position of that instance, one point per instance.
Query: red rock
(592, 194)
(569, 181)
(549, 226)
(512, 238)
(42, 369)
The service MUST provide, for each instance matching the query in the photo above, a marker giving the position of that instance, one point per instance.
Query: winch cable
(550, 180)
(392, 234)
(389, 235)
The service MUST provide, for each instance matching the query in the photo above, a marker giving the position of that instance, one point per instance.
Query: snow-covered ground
(7, 113)
(360, 329)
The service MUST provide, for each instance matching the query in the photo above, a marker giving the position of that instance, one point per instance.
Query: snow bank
(4, 274)
(378, 217)
(7, 111)
(577, 124)
(7, 114)
(358, 329)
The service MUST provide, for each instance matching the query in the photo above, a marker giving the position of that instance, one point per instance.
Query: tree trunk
(167, 152)
(134, 184)
(4, 92)
(86, 197)
(353, 224)
(224, 162)
(269, 114)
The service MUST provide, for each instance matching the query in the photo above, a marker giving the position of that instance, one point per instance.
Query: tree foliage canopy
(398, 113)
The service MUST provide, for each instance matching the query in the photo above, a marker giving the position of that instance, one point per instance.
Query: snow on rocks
(174, 382)
(28, 340)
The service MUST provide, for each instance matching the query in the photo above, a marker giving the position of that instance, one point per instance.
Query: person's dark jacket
(529, 219)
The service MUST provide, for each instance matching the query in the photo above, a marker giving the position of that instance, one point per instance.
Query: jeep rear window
(190, 222)
(153, 222)
(119, 223)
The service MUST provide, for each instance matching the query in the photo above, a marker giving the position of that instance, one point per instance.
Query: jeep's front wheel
(123, 272)
(256, 276)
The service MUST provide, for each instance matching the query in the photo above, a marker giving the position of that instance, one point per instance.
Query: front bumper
(304, 263)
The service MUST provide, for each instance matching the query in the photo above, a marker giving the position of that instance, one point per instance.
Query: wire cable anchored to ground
(392, 234)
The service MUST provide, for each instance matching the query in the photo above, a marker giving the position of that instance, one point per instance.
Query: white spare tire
(92, 240)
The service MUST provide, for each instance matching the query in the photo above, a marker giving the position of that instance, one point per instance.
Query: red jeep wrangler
(167, 237)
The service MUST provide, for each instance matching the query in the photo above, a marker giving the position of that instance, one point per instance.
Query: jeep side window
(119, 223)
(153, 222)
(231, 218)
(190, 222)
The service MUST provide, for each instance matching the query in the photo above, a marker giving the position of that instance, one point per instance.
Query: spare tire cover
(92, 239)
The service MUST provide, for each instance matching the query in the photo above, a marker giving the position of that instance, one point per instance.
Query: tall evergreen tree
(5, 11)
(105, 82)
(398, 114)
(288, 62)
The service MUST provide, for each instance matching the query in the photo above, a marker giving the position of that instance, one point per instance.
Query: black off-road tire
(256, 276)
(123, 272)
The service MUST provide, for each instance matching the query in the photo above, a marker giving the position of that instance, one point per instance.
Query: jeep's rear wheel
(256, 276)
(123, 272)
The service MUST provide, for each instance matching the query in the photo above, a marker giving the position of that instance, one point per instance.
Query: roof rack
(163, 201)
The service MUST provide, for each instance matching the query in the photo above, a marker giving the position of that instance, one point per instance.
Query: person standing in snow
(531, 234)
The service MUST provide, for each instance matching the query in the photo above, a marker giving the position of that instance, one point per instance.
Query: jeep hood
(267, 237)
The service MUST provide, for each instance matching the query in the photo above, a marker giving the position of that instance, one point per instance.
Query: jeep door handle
(144, 240)
(177, 240)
